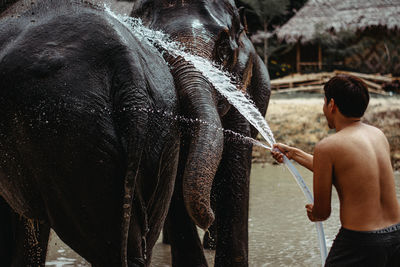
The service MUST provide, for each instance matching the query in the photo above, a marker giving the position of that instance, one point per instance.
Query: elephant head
(212, 29)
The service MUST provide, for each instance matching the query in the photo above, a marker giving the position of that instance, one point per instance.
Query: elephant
(215, 30)
(84, 149)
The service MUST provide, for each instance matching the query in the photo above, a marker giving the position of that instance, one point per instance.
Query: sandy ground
(298, 120)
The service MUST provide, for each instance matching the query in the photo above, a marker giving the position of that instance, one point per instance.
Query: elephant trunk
(198, 100)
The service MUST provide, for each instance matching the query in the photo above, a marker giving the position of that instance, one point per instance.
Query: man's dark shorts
(378, 248)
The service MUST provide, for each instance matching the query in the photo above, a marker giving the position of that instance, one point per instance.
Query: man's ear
(332, 105)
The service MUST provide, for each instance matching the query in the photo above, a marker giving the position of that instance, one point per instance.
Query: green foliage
(276, 12)
(267, 10)
(277, 69)
(266, 16)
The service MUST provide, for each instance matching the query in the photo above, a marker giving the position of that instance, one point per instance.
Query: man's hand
(278, 149)
(309, 208)
(301, 157)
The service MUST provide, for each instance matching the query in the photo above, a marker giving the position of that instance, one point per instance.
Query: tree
(267, 11)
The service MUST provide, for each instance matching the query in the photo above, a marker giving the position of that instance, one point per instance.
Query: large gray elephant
(215, 30)
(83, 148)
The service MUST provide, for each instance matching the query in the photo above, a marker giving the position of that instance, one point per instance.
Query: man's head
(345, 96)
(350, 94)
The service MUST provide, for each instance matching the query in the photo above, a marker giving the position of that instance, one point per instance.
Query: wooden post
(298, 57)
(319, 57)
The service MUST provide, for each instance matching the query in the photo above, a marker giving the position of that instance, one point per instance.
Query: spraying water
(222, 82)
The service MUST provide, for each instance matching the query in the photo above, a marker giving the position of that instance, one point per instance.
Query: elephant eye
(224, 51)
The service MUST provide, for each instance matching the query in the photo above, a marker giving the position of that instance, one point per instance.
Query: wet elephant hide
(83, 149)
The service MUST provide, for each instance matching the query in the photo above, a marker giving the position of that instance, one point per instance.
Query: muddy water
(279, 231)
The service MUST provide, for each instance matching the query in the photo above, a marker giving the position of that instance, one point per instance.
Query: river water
(279, 232)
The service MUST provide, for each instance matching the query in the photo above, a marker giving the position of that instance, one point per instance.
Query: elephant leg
(165, 237)
(23, 242)
(232, 196)
(6, 233)
(186, 247)
(31, 241)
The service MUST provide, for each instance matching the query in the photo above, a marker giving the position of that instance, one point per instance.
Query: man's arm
(298, 155)
(322, 183)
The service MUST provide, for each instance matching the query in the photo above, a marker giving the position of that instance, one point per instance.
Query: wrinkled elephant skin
(82, 148)
(214, 30)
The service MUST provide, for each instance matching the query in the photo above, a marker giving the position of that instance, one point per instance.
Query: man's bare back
(363, 177)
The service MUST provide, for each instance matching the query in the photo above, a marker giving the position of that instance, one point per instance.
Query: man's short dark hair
(349, 93)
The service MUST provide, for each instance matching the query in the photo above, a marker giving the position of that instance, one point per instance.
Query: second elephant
(210, 164)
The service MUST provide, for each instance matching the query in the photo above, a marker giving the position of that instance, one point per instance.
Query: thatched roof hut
(318, 16)
(319, 21)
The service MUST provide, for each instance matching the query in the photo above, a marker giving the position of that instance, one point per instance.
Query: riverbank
(297, 120)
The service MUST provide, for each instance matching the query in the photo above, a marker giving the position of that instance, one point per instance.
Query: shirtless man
(356, 160)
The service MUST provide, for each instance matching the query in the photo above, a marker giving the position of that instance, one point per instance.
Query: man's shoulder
(330, 147)
(327, 143)
(377, 135)
(325, 149)
(374, 130)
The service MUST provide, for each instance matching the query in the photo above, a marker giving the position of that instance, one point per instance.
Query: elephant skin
(83, 148)
(215, 30)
